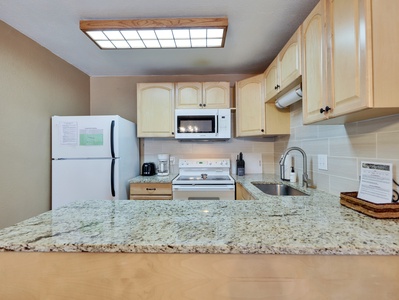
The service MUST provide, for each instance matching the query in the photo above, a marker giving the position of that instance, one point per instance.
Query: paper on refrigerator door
(91, 137)
(68, 133)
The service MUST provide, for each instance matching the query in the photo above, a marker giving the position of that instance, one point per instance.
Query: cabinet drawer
(147, 197)
(150, 189)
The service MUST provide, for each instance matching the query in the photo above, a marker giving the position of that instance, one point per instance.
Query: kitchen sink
(278, 189)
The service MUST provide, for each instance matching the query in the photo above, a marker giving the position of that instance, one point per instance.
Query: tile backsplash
(227, 149)
(218, 149)
(345, 146)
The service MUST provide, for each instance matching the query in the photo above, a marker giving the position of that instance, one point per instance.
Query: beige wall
(345, 146)
(35, 84)
(117, 95)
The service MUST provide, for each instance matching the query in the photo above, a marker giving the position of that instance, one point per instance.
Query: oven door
(204, 192)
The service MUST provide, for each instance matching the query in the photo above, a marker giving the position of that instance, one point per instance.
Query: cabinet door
(272, 85)
(250, 118)
(277, 120)
(216, 94)
(155, 109)
(150, 191)
(189, 95)
(314, 64)
(290, 60)
(385, 53)
(350, 77)
(242, 193)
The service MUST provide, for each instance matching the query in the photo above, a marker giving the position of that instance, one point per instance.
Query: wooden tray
(379, 211)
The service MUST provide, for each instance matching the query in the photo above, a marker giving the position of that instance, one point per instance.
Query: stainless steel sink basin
(278, 189)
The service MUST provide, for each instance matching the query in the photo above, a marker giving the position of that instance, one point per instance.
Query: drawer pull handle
(151, 189)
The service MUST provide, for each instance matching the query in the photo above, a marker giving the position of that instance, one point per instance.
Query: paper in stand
(289, 98)
(376, 182)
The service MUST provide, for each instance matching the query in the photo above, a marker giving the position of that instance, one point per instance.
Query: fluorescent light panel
(157, 33)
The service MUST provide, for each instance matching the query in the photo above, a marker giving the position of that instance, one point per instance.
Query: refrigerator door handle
(112, 138)
(113, 177)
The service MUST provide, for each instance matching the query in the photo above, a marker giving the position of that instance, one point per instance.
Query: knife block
(240, 167)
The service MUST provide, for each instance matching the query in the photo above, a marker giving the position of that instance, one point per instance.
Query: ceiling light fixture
(157, 33)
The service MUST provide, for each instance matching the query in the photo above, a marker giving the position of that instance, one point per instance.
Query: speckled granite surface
(153, 179)
(316, 224)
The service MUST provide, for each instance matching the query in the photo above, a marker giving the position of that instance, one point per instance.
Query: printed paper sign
(91, 137)
(69, 133)
(376, 182)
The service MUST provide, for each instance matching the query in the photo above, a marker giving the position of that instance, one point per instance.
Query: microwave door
(202, 124)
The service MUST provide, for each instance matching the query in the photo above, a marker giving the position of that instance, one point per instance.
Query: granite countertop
(153, 179)
(315, 224)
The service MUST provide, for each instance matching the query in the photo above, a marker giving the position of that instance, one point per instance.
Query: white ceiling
(257, 30)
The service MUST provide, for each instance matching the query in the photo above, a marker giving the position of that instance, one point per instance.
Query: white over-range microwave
(203, 124)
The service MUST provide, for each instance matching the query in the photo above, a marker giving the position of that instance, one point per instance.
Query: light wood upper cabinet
(289, 60)
(362, 63)
(216, 94)
(202, 95)
(155, 109)
(250, 118)
(349, 56)
(188, 95)
(272, 83)
(285, 70)
(314, 65)
(254, 117)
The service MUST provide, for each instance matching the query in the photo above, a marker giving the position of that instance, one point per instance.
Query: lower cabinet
(242, 193)
(150, 191)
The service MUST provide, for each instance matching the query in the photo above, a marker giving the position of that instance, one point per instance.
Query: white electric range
(204, 179)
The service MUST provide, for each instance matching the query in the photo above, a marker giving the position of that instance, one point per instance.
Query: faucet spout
(305, 178)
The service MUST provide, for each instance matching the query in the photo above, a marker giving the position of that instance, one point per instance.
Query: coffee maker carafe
(163, 164)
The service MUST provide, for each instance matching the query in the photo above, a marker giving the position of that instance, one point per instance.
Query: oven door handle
(219, 187)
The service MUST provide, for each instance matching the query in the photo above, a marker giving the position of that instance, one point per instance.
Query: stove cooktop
(201, 178)
(204, 171)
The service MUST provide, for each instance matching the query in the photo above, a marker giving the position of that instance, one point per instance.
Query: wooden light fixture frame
(166, 23)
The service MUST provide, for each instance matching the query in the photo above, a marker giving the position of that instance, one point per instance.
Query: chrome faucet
(305, 178)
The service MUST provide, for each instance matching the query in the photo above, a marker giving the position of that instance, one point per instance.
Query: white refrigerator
(93, 158)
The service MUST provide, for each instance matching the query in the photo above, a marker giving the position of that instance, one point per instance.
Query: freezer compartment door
(85, 136)
(90, 179)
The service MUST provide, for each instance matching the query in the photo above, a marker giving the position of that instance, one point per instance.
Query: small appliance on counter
(240, 165)
(148, 169)
(163, 164)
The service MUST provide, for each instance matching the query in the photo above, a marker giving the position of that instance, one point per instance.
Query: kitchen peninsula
(306, 247)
